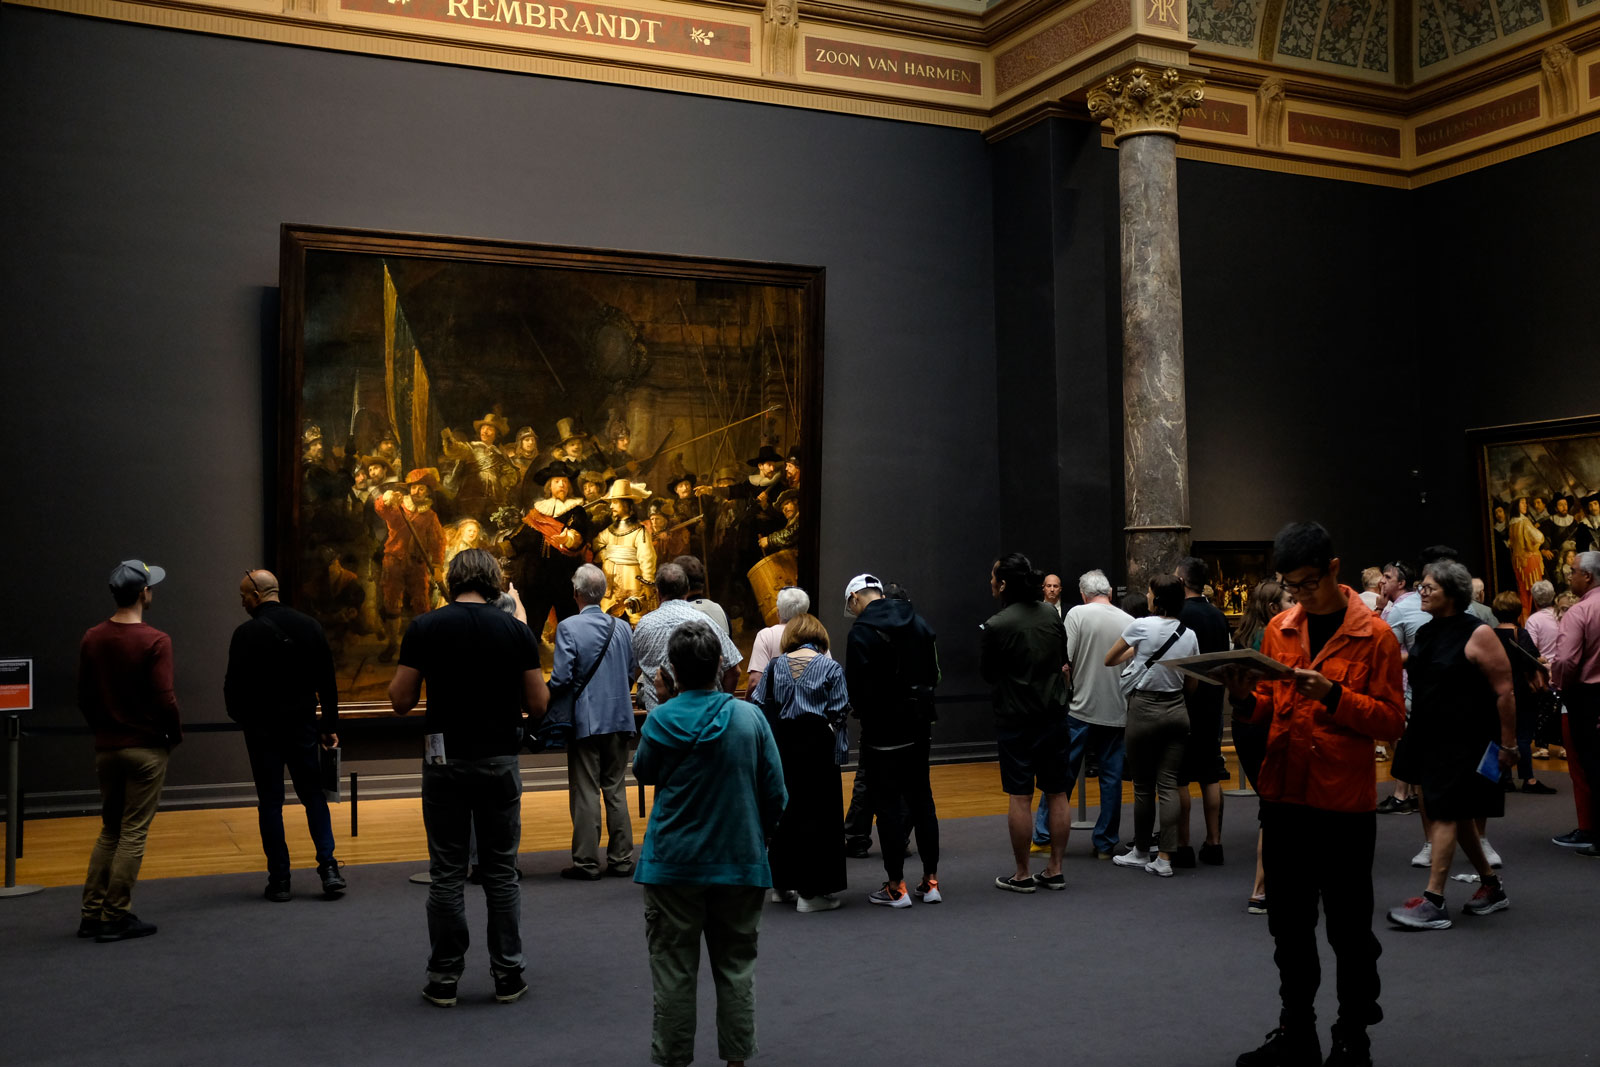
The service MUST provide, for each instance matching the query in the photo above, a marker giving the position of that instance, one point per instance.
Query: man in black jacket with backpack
(280, 669)
(891, 669)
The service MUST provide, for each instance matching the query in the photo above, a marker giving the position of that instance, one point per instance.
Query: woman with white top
(1158, 720)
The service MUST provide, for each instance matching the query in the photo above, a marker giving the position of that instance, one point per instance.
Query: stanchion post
(14, 809)
(1083, 822)
(355, 802)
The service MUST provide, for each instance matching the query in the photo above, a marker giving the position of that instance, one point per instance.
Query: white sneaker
(1425, 857)
(782, 896)
(1159, 867)
(927, 891)
(1133, 858)
(822, 902)
(1491, 855)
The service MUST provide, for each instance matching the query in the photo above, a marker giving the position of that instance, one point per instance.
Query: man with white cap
(125, 693)
(891, 669)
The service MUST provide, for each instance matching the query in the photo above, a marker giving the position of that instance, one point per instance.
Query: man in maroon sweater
(125, 692)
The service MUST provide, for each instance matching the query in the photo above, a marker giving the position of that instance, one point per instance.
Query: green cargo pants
(675, 918)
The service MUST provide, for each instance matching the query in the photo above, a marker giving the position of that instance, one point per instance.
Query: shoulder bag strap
(605, 647)
(1162, 651)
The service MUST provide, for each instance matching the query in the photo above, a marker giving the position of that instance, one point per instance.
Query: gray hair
(671, 582)
(1589, 563)
(791, 602)
(1094, 583)
(589, 583)
(1544, 594)
(1454, 579)
(695, 652)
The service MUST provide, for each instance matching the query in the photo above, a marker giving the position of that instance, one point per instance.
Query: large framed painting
(1538, 501)
(1237, 567)
(554, 406)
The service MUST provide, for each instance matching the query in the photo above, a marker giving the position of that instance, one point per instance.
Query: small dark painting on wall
(554, 406)
(1538, 502)
(1236, 568)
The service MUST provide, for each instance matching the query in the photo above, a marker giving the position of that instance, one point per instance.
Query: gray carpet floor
(1122, 968)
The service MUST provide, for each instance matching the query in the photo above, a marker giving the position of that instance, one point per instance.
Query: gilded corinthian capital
(1145, 101)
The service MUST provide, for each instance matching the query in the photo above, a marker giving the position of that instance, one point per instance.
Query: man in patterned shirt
(655, 629)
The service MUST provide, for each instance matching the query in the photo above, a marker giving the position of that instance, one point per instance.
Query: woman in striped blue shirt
(804, 697)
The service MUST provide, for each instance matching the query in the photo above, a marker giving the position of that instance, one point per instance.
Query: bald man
(279, 670)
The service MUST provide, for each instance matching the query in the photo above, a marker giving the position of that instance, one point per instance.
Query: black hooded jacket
(891, 668)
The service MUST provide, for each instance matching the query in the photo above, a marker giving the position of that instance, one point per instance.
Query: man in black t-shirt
(482, 669)
(1202, 756)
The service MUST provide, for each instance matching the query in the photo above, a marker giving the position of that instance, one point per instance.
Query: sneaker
(859, 848)
(1389, 806)
(782, 896)
(1183, 857)
(580, 874)
(822, 902)
(1039, 848)
(441, 993)
(1101, 855)
(1420, 913)
(613, 870)
(332, 880)
(1589, 852)
(1541, 753)
(1487, 900)
(126, 928)
(90, 927)
(1534, 787)
(1410, 805)
(1256, 906)
(927, 891)
(1573, 839)
(1211, 855)
(1491, 855)
(1425, 857)
(1014, 885)
(508, 987)
(1134, 857)
(1159, 867)
(1044, 881)
(277, 892)
(1351, 1048)
(892, 895)
(1382, 754)
(1299, 1047)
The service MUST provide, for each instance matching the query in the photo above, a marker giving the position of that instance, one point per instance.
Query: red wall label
(644, 30)
(1221, 115)
(1325, 132)
(1474, 122)
(850, 59)
(16, 684)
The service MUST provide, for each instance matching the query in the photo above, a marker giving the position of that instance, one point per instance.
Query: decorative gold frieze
(1146, 101)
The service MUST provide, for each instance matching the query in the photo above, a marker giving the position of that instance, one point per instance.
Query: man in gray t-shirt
(1098, 714)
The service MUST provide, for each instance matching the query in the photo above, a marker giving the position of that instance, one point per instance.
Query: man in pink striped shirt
(1575, 671)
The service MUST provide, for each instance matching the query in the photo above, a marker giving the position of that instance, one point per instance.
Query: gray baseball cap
(133, 574)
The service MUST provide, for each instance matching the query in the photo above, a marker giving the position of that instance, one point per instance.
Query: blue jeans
(458, 797)
(271, 752)
(1106, 743)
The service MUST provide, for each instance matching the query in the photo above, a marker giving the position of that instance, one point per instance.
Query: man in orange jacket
(1318, 794)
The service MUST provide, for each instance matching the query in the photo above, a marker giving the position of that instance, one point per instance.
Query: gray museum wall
(147, 173)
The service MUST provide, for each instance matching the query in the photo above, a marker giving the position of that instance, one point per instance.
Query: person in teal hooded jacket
(719, 796)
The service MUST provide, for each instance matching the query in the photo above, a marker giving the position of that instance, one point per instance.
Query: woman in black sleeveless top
(1461, 701)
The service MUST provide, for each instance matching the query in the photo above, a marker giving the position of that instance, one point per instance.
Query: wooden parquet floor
(226, 841)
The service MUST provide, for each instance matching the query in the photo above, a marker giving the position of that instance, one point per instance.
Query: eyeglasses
(1304, 586)
(1429, 587)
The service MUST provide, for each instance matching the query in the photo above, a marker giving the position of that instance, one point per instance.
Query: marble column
(1144, 107)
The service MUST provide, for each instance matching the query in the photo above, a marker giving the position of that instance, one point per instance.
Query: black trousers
(897, 781)
(1583, 719)
(1309, 856)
